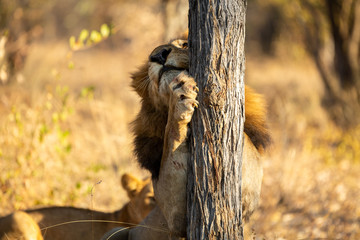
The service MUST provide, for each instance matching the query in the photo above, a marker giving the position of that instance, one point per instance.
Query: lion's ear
(131, 184)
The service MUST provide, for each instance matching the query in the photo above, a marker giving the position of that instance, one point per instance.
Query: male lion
(168, 97)
(60, 222)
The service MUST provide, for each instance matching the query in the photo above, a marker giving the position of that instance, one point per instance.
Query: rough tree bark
(217, 61)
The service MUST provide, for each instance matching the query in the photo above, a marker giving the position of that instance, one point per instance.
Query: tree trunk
(217, 62)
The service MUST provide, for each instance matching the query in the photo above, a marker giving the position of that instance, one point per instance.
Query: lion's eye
(185, 45)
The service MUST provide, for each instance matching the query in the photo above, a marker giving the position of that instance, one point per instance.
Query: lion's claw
(183, 92)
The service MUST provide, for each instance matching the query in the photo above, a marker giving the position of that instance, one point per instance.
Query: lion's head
(164, 63)
(141, 195)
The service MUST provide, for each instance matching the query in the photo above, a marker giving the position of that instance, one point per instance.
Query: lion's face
(142, 204)
(141, 194)
(164, 64)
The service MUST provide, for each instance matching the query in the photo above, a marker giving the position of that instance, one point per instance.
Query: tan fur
(141, 202)
(170, 188)
(168, 99)
(19, 225)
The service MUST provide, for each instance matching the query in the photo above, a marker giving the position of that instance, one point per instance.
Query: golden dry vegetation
(311, 174)
(65, 139)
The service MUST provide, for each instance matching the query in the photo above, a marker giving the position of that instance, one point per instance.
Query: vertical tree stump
(217, 62)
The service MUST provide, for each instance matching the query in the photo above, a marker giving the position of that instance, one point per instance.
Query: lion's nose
(161, 56)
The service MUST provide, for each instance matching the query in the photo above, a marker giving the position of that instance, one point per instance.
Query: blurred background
(66, 105)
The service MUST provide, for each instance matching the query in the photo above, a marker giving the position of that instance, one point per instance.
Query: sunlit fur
(255, 120)
(19, 225)
(153, 90)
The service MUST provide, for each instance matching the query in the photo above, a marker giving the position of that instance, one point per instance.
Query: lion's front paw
(183, 97)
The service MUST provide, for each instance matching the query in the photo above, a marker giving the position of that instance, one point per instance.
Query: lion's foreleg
(170, 188)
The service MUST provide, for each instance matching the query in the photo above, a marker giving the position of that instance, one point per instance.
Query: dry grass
(65, 131)
(311, 174)
(62, 131)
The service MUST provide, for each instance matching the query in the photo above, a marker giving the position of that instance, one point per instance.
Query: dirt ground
(65, 138)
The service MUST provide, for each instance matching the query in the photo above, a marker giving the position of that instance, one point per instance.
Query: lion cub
(91, 225)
